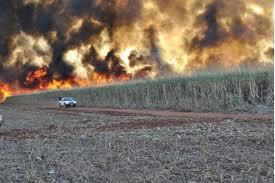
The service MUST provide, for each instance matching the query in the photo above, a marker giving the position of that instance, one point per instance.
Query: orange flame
(37, 80)
(36, 77)
(5, 91)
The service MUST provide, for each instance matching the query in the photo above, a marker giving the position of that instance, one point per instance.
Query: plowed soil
(51, 144)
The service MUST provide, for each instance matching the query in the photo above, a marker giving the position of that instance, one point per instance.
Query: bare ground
(48, 144)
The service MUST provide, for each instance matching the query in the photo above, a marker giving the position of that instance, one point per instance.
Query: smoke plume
(65, 43)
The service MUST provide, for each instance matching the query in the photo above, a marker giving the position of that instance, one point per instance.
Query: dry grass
(238, 91)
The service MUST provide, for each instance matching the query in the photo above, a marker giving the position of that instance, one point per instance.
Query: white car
(67, 102)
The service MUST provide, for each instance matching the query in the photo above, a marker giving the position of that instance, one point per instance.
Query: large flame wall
(64, 43)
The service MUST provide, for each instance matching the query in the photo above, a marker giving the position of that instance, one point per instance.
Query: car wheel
(74, 106)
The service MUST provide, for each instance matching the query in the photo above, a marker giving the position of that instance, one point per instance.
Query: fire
(54, 44)
(36, 76)
(38, 80)
(104, 79)
(5, 91)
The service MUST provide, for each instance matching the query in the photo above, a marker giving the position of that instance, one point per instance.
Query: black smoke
(222, 23)
(42, 19)
(213, 32)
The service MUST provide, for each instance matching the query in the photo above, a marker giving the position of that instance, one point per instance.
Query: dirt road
(195, 115)
(49, 144)
(171, 119)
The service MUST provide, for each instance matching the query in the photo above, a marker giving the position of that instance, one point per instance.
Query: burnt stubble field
(78, 145)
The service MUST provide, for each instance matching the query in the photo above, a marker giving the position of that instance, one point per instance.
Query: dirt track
(48, 144)
(195, 115)
(186, 118)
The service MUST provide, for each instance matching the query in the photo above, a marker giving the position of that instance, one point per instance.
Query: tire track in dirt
(188, 119)
(194, 115)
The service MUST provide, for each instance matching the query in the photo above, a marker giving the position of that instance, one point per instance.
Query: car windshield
(68, 99)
